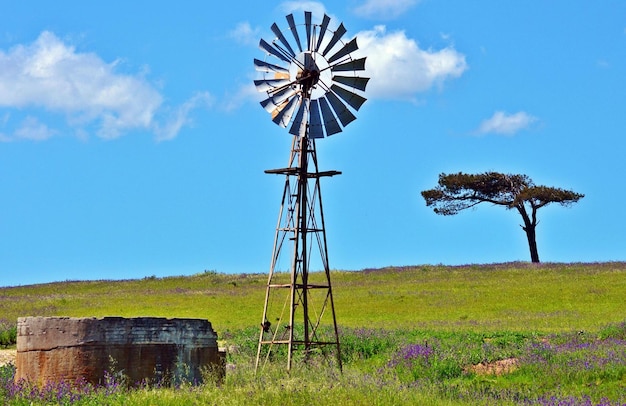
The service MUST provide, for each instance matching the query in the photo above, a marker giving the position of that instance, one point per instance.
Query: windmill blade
(298, 127)
(352, 81)
(272, 103)
(294, 31)
(316, 129)
(330, 122)
(272, 51)
(282, 39)
(265, 85)
(349, 97)
(282, 115)
(262, 66)
(307, 24)
(336, 37)
(341, 110)
(353, 65)
(348, 48)
(323, 29)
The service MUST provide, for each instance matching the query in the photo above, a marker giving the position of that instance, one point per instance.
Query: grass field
(512, 297)
(410, 335)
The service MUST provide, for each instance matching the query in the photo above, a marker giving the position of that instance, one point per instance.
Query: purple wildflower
(412, 354)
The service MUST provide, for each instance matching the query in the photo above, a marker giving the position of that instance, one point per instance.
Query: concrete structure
(143, 349)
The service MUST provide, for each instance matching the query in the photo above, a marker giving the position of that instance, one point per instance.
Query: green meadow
(410, 335)
(511, 297)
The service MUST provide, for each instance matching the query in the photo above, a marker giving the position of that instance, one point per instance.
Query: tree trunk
(532, 243)
(529, 228)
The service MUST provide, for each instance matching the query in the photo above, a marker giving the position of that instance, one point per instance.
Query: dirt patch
(503, 366)
(7, 356)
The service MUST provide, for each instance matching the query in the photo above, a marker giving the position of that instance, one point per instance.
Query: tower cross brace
(307, 294)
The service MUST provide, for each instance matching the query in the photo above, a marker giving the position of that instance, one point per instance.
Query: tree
(460, 191)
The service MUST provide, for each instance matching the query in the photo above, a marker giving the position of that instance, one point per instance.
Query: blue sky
(132, 142)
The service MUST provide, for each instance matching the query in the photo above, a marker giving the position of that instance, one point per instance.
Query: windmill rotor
(310, 77)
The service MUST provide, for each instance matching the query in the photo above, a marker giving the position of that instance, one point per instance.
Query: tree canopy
(460, 191)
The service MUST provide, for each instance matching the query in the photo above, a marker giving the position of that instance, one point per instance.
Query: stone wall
(141, 350)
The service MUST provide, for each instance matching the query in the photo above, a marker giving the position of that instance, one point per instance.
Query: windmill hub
(306, 71)
(308, 79)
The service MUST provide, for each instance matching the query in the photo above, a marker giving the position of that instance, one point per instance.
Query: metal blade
(271, 50)
(356, 64)
(282, 115)
(298, 127)
(272, 103)
(262, 66)
(282, 39)
(349, 97)
(330, 122)
(267, 84)
(336, 37)
(348, 48)
(352, 81)
(316, 129)
(294, 31)
(323, 29)
(341, 110)
(307, 24)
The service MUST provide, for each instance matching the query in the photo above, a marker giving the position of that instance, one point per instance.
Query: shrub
(8, 336)
(614, 330)
(365, 343)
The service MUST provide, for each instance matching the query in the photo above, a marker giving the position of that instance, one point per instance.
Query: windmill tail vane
(313, 87)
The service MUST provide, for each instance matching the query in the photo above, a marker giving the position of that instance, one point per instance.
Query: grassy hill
(497, 297)
(427, 335)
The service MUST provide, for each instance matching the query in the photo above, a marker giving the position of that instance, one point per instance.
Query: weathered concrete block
(143, 349)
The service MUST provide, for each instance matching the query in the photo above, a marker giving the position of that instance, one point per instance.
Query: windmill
(313, 87)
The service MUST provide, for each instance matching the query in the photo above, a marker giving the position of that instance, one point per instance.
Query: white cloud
(399, 68)
(32, 129)
(244, 94)
(51, 75)
(603, 63)
(506, 124)
(384, 9)
(316, 8)
(180, 116)
(245, 34)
